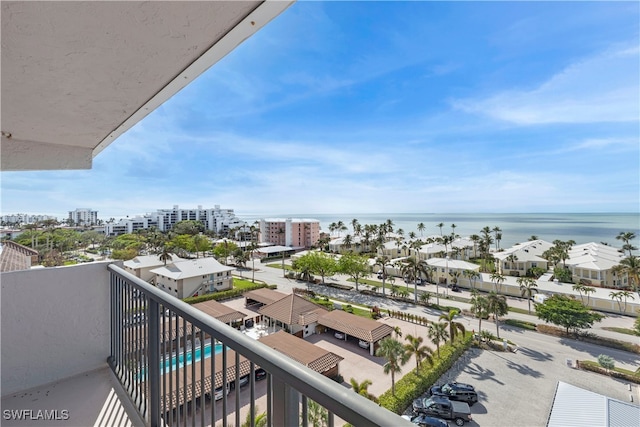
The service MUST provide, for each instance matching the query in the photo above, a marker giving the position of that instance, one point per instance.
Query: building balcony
(92, 345)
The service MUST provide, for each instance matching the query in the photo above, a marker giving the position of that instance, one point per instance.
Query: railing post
(286, 404)
(154, 363)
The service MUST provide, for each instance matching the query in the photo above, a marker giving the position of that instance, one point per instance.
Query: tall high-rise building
(294, 232)
(84, 216)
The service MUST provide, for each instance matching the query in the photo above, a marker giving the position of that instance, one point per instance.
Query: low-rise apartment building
(193, 277)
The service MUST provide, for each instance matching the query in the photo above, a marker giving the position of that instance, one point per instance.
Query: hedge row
(223, 295)
(409, 317)
(412, 386)
(594, 367)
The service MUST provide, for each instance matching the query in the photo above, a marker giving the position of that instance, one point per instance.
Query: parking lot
(518, 388)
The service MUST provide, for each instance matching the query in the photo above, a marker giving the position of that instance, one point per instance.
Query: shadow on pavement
(481, 374)
(523, 369)
(535, 355)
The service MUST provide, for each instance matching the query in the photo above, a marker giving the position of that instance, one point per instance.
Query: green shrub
(221, 295)
(411, 386)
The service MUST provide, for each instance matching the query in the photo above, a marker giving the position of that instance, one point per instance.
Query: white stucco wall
(55, 324)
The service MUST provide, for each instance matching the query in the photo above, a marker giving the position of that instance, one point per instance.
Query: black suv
(456, 391)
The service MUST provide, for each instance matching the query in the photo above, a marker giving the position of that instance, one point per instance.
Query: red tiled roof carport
(220, 311)
(293, 310)
(357, 326)
(310, 355)
(263, 295)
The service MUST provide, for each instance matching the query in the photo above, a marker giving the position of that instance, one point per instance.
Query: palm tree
(479, 307)
(425, 297)
(421, 228)
(588, 290)
(497, 305)
(383, 262)
(631, 267)
(437, 333)
(617, 296)
(472, 276)
(626, 237)
(260, 420)
(454, 327)
(393, 351)
(497, 280)
(398, 331)
(362, 389)
(317, 415)
(578, 287)
(409, 270)
(498, 234)
(528, 287)
(626, 295)
(440, 225)
(165, 255)
(419, 351)
(347, 242)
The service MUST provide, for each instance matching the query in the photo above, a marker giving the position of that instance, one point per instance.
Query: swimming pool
(174, 362)
(170, 364)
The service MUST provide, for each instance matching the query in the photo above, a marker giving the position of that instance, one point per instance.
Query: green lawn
(244, 283)
(625, 331)
(520, 324)
(279, 265)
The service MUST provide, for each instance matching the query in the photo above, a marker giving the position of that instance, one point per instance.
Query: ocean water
(516, 228)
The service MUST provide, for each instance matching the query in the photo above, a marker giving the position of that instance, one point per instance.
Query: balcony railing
(176, 363)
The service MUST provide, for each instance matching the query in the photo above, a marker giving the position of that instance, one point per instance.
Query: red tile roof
(356, 326)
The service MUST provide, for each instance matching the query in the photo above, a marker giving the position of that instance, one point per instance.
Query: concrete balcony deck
(94, 398)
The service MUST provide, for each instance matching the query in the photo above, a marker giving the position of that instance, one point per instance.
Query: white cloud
(603, 88)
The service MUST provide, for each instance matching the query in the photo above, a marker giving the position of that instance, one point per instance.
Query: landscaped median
(620, 373)
(412, 385)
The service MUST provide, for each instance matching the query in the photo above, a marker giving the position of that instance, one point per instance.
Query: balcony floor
(94, 398)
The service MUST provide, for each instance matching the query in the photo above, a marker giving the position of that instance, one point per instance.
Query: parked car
(364, 344)
(456, 391)
(242, 382)
(426, 421)
(441, 407)
(260, 374)
(338, 335)
(539, 298)
(218, 393)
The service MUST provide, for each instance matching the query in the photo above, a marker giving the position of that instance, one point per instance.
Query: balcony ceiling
(76, 75)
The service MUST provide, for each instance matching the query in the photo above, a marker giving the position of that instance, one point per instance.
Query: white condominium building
(17, 219)
(215, 219)
(83, 216)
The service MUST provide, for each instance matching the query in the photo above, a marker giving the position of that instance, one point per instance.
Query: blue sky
(374, 107)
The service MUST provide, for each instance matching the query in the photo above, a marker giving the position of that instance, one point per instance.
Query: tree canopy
(567, 312)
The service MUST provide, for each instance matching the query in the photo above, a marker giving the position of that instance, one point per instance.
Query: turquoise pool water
(178, 361)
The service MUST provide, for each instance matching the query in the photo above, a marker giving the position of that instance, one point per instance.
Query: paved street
(274, 276)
